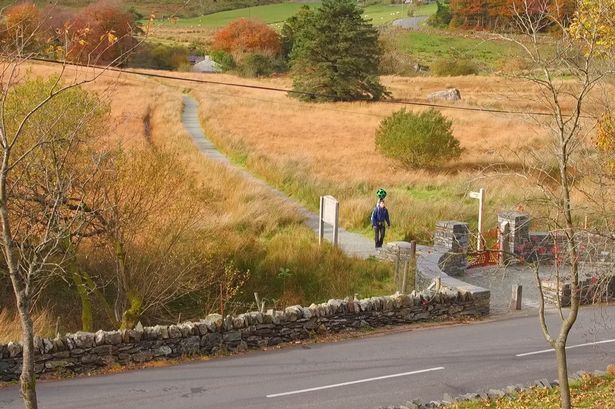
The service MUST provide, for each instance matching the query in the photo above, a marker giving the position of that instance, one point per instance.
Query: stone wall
(83, 352)
(452, 237)
(596, 288)
(551, 246)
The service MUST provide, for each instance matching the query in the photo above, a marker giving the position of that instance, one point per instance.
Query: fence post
(517, 292)
(413, 262)
(397, 267)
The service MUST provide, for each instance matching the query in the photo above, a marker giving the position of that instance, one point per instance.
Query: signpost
(480, 195)
(329, 213)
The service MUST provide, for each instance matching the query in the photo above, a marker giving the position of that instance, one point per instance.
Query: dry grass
(246, 223)
(313, 149)
(10, 328)
(309, 150)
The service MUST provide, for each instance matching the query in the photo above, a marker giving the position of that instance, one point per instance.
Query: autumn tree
(21, 24)
(152, 239)
(101, 33)
(336, 55)
(249, 47)
(45, 137)
(499, 14)
(243, 36)
(566, 169)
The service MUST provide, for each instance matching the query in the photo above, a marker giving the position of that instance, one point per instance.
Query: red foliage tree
(21, 25)
(55, 23)
(101, 33)
(243, 36)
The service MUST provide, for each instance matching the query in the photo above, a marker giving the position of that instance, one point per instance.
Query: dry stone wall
(82, 352)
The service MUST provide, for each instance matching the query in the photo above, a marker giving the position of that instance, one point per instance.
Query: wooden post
(517, 291)
(405, 276)
(480, 195)
(413, 263)
(397, 267)
(480, 245)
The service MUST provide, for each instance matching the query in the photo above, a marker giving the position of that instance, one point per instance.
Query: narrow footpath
(352, 244)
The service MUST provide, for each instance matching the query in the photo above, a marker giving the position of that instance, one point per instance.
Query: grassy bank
(589, 392)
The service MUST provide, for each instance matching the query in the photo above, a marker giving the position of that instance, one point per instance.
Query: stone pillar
(454, 237)
(519, 237)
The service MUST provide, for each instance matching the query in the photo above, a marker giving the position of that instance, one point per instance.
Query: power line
(310, 94)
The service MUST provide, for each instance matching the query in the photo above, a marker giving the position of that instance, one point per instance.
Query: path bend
(352, 244)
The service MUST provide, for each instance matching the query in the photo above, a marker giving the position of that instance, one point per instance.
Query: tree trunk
(28, 376)
(562, 374)
(87, 321)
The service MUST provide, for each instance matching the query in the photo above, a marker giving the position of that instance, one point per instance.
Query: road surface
(359, 374)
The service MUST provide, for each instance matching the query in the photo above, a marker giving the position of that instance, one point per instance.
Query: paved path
(410, 22)
(359, 374)
(351, 243)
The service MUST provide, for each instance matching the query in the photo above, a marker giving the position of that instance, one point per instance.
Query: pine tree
(336, 54)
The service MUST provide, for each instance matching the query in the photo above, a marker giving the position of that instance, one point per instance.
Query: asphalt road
(360, 373)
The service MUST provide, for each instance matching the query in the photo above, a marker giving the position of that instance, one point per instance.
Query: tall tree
(47, 160)
(336, 54)
(585, 53)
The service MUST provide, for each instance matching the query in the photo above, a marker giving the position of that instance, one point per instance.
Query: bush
(442, 17)
(417, 140)
(454, 67)
(224, 60)
(258, 65)
(160, 57)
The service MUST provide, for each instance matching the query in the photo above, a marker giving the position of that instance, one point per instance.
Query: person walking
(380, 216)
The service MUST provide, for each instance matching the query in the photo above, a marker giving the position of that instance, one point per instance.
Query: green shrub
(442, 17)
(417, 140)
(454, 67)
(160, 57)
(225, 60)
(258, 65)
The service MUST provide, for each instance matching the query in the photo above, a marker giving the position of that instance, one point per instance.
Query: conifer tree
(336, 54)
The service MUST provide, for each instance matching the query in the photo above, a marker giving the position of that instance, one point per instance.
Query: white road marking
(337, 385)
(606, 341)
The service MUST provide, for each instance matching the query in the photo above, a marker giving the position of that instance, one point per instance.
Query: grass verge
(589, 392)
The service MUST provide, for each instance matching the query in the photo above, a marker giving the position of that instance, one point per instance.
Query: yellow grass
(245, 222)
(10, 328)
(313, 149)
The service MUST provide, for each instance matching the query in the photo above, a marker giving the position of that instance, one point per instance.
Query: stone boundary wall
(552, 246)
(82, 352)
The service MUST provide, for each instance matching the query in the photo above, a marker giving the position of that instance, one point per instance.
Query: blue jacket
(380, 215)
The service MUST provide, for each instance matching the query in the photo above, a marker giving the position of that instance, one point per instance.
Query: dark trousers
(379, 235)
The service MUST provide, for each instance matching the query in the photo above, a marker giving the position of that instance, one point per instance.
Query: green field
(428, 46)
(159, 8)
(276, 14)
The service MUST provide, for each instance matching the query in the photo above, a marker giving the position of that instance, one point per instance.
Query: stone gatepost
(454, 236)
(514, 234)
